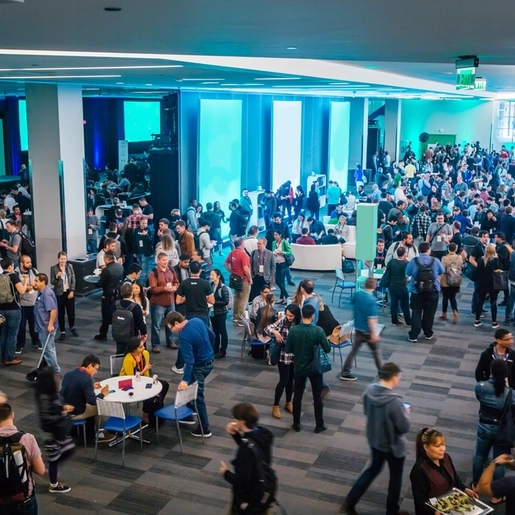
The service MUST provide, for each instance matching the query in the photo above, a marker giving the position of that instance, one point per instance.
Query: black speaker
(424, 136)
(164, 182)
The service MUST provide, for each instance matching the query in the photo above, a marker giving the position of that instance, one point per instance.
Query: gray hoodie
(387, 420)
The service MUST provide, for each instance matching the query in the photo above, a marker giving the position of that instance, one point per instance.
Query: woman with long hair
(279, 330)
(491, 395)
(62, 278)
(258, 302)
(451, 261)
(266, 315)
(140, 297)
(433, 473)
(341, 230)
(54, 420)
(298, 224)
(486, 266)
(137, 359)
(299, 200)
(219, 314)
(166, 244)
(281, 249)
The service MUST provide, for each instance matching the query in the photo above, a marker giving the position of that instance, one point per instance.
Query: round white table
(364, 273)
(139, 390)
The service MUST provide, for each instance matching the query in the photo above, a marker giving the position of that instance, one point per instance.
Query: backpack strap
(14, 438)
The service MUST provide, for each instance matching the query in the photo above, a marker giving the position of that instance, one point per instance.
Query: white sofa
(317, 257)
(349, 246)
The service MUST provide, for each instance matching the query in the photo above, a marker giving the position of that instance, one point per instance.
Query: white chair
(115, 364)
(118, 422)
(346, 333)
(180, 411)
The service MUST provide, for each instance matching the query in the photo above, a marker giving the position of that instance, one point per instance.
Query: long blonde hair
(490, 253)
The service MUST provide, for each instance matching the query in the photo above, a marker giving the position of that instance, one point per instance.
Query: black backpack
(266, 477)
(196, 239)
(123, 322)
(425, 279)
(27, 247)
(14, 470)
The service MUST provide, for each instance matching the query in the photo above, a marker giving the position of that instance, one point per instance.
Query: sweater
(196, 341)
(77, 390)
(130, 366)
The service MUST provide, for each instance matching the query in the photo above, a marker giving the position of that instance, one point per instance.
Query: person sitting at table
(305, 239)
(138, 359)
(330, 239)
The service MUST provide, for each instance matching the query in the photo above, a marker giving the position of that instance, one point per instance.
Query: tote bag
(321, 361)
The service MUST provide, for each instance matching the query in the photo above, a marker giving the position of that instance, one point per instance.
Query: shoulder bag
(274, 351)
(321, 362)
(236, 282)
(288, 258)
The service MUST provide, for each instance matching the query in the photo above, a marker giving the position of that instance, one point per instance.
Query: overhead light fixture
(112, 9)
(210, 82)
(90, 89)
(119, 83)
(148, 84)
(278, 78)
(75, 68)
(185, 80)
(252, 84)
(338, 83)
(31, 77)
(291, 48)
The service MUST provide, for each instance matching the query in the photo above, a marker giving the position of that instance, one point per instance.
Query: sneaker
(59, 489)
(198, 433)
(428, 337)
(178, 370)
(62, 337)
(412, 340)
(348, 509)
(18, 351)
(189, 420)
(38, 346)
(348, 377)
(398, 324)
(156, 350)
(478, 323)
(100, 337)
(172, 346)
(105, 437)
(296, 427)
(220, 355)
(74, 332)
(495, 325)
(320, 429)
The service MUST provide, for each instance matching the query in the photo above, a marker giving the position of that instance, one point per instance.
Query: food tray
(476, 507)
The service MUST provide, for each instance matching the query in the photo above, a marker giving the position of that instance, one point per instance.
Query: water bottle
(138, 375)
(155, 379)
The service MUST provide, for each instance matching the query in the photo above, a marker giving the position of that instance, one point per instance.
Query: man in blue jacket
(387, 425)
(196, 344)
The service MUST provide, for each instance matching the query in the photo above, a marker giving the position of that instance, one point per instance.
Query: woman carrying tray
(433, 474)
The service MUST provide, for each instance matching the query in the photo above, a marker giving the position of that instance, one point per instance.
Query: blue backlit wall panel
(339, 131)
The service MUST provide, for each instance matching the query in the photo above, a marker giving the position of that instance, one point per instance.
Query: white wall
(469, 120)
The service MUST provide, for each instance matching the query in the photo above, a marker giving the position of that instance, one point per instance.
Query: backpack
(267, 478)
(117, 247)
(453, 274)
(231, 298)
(7, 294)
(14, 470)
(27, 246)
(196, 239)
(123, 323)
(425, 279)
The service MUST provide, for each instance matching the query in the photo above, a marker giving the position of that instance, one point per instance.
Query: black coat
(486, 358)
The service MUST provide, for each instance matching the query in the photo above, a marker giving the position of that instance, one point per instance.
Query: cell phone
(148, 385)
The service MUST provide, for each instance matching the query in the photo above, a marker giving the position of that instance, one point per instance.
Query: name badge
(90, 231)
(261, 269)
(438, 239)
(141, 243)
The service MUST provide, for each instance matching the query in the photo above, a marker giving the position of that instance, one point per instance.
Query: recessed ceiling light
(75, 68)
(338, 83)
(202, 79)
(119, 83)
(148, 84)
(252, 84)
(112, 9)
(291, 48)
(278, 78)
(31, 77)
(210, 82)
(231, 84)
(90, 89)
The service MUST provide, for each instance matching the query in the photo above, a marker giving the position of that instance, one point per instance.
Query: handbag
(470, 272)
(506, 431)
(385, 280)
(236, 282)
(500, 280)
(289, 259)
(274, 351)
(321, 362)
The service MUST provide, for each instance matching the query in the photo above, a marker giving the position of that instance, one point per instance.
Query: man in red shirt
(163, 284)
(238, 265)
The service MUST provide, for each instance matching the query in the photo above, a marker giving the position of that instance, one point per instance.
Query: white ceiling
(414, 39)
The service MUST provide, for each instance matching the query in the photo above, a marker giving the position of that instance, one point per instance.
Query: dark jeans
(30, 507)
(474, 299)
(511, 303)
(150, 406)
(481, 297)
(91, 246)
(65, 304)
(316, 381)
(280, 278)
(449, 295)
(360, 338)
(399, 297)
(106, 309)
(423, 309)
(218, 323)
(396, 466)
(199, 374)
(27, 315)
(285, 383)
(8, 333)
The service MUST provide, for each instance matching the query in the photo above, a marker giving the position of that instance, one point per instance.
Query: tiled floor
(315, 471)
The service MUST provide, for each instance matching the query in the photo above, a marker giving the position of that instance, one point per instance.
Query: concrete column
(56, 151)
(392, 127)
(358, 132)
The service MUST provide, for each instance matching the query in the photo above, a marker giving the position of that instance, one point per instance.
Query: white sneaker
(177, 370)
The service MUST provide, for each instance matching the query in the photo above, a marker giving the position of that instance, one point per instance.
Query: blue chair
(118, 422)
(180, 411)
(346, 332)
(341, 283)
(249, 339)
(81, 423)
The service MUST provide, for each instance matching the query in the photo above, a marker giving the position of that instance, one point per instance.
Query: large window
(141, 120)
(506, 121)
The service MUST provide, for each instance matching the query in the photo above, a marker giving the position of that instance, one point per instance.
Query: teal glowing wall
(24, 132)
(219, 152)
(339, 132)
(141, 120)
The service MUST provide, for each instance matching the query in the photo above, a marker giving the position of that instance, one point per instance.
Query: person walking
(365, 326)
(486, 267)
(451, 281)
(303, 341)
(282, 252)
(438, 236)
(219, 313)
(397, 287)
(425, 273)
(238, 265)
(279, 331)
(262, 268)
(62, 278)
(388, 422)
(196, 343)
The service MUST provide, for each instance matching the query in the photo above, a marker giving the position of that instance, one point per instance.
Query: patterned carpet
(315, 471)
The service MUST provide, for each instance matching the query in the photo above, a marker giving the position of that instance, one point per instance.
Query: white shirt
(250, 244)
(400, 195)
